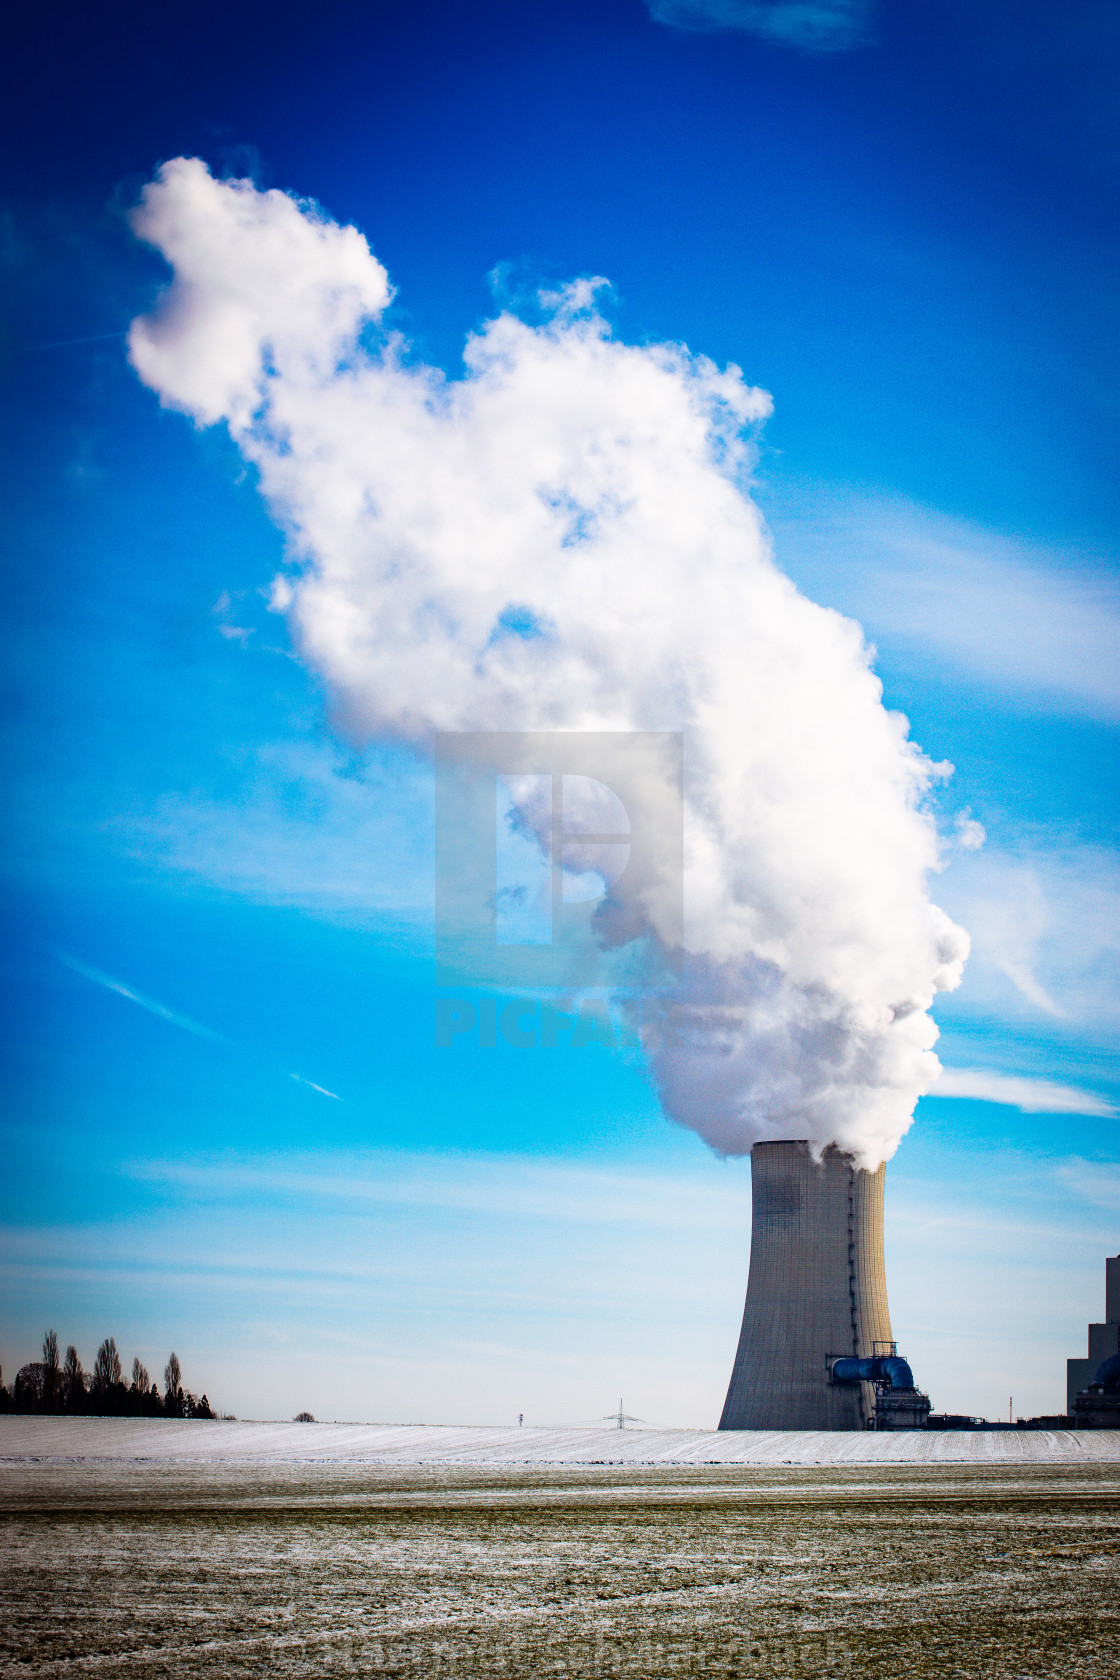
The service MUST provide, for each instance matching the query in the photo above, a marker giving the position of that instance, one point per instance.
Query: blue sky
(898, 220)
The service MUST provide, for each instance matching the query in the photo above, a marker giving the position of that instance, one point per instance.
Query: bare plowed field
(176, 1571)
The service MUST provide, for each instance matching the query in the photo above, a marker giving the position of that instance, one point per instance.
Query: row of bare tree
(54, 1384)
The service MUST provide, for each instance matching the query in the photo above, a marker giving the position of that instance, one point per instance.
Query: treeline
(54, 1384)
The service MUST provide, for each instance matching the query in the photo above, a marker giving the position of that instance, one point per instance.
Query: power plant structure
(1093, 1384)
(815, 1350)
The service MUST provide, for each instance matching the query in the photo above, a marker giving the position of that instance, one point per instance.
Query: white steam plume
(560, 540)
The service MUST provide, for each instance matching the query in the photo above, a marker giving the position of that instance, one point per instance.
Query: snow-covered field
(226, 1551)
(47, 1438)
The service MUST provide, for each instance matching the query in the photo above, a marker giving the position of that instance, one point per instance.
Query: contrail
(150, 1004)
(322, 1089)
(64, 343)
(154, 1007)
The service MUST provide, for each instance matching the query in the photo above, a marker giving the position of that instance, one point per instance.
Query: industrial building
(815, 1350)
(1093, 1384)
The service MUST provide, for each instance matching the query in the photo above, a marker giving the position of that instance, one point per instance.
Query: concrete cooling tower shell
(817, 1290)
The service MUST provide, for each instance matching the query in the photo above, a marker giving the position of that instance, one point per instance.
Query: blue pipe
(1108, 1374)
(887, 1368)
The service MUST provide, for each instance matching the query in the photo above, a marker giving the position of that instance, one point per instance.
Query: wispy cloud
(1030, 1096)
(152, 1005)
(714, 1196)
(814, 25)
(1045, 925)
(307, 827)
(1040, 625)
(1097, 1182)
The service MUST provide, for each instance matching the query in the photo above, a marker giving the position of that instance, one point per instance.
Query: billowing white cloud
(818, 25)
(561, 539)
(255, 272)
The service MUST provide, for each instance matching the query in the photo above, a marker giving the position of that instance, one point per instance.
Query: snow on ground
(55, 1439)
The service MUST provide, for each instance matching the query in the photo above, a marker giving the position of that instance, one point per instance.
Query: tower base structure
(816, 1293)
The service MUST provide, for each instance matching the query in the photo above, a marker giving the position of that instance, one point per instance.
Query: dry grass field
(221, 1570)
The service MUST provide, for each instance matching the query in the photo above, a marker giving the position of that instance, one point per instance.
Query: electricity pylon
(620, 1418)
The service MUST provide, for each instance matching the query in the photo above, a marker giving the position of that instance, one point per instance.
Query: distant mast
(620, 1418)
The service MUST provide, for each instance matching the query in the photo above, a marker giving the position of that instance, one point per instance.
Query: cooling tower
(817, 1290)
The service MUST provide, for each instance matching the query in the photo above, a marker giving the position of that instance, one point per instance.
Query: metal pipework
(889, 1369)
